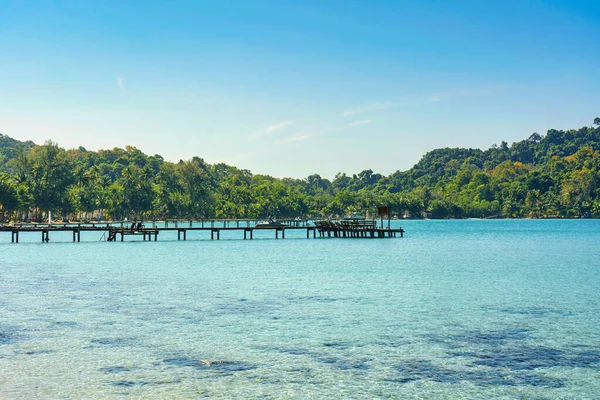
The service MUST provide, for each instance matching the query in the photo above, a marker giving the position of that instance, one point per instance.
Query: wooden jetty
(355, 229)
(117, 231)
(146, 233)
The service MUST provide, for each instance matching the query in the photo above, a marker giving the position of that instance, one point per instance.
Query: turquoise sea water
(455, 309)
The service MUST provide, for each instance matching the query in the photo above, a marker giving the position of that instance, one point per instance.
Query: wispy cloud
(297, 138)
(356, 123)
(331, 130)
(121, 84)
(428, 99)
(445, 96)
(267, 130)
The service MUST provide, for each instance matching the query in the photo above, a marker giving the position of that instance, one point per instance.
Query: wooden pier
(355, 229)
(146, 233)
(119, 230)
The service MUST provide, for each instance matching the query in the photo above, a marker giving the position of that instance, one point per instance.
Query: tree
(47, 172)
(195, 185)
(9, 196)
(168, 191)
(535, 137)
(137, 192)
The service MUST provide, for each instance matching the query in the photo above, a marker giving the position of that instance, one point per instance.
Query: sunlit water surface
(455, 309)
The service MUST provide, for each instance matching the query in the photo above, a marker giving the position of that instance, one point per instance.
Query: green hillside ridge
(556, 175)
(9, 148)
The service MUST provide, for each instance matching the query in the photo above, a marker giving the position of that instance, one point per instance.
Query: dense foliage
(556, 175)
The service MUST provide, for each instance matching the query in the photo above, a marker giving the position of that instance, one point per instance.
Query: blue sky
(291, 88)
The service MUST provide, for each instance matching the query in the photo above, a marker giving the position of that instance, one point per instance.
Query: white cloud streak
(267, 130)
(444, 96)
(430, 99)
(356, 123)
(302, 136)
(121, 84)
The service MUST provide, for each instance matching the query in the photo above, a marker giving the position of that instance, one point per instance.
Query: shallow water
(455, 309)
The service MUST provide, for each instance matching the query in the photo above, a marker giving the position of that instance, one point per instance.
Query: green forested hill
(556, 175)
(9, 148)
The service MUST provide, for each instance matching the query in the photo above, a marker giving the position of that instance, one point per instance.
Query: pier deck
(118, 231)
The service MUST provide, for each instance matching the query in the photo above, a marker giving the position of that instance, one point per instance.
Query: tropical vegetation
(555, 175)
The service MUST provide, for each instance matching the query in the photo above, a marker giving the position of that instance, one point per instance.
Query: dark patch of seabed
(509, 358)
